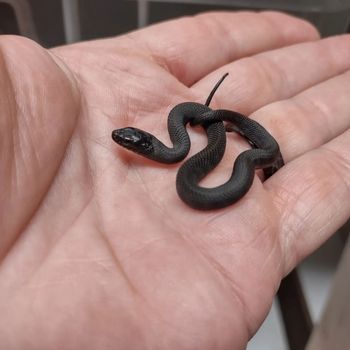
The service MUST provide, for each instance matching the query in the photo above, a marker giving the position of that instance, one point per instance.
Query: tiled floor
(271, 334)
(316, 274)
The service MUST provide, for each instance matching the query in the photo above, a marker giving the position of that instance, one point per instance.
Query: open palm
(97, 250)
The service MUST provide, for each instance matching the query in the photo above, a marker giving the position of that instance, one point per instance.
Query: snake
(264, 152)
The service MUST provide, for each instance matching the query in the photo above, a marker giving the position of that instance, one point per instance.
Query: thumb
(39, 106)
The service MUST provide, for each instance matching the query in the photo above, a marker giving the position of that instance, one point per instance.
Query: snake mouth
(133, 139)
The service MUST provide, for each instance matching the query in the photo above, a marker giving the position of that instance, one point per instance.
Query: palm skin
(97, 250)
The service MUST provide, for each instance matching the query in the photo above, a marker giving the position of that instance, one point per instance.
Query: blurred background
(56, 22)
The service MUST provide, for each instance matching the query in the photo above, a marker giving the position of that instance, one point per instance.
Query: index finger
(192, 47)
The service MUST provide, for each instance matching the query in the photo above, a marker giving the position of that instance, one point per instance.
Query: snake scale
(265, 152)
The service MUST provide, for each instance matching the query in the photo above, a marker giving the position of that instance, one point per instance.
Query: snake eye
(133, 139)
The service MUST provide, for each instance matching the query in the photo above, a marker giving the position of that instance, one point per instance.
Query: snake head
(133, 139)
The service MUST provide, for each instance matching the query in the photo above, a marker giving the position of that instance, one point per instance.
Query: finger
(190, 48)
(36, 125)
(274, 75)
(309, 119)
(312, 193)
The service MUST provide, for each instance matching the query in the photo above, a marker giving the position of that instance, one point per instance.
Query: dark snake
(265, 153)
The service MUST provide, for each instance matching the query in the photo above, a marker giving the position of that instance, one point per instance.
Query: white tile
(271, 335)
(317, 273)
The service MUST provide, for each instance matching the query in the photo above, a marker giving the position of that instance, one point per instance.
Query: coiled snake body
(264, 154)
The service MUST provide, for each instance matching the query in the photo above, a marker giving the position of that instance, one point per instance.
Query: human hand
(97, 250)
